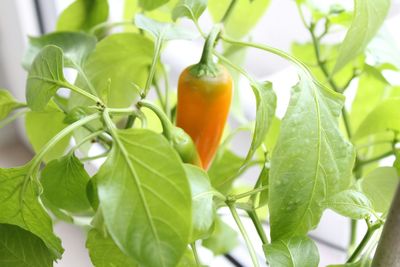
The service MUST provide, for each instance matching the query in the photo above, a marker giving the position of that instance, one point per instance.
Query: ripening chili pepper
(204, 98)
(180, 140)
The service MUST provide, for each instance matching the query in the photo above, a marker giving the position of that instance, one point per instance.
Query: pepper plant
(153, 200)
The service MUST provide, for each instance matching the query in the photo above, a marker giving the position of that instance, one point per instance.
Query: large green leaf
(151, 4)
(222, 240)
(203, 210)
(119, 61)
(20, 248)
(64, 184)
(350, 203)
(105, 253)
(369, 15)
(379, 186)
(189, 8)
(266, 105)
(37, 121)
(22, 207)
(75, 45)
(45, 77)
(385, 117)
(145, 198)
(243, 18)
(7, 103)
(311, 160)
(82, 15)
(298, 251)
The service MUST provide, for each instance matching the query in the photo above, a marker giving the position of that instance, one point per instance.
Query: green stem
(87, 81)
(244, 234)
(357, 252)
(86, 138)
(236, 67)
(377, 158)
(207, 54)
(260, 230)
(250, 193)
(195, 254)
(228, 11)
(102, 155)
(82, 92)
(166, 124)
(12, 118)
(353, 235)
(108, 24)
(167, 89)
(159, 94)
(157, 49)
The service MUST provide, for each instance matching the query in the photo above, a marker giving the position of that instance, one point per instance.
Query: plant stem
(251, 192)
(195, 254)
(108, 24)
(388, 251)
(244, 234)
(13, 117)
(167, 89)
(353, 236)
(371, 160)
(228, 11)
(357, 252)
(159, 94)
(86, 138)
(166, 124)
(82, 92)
(260, 230)
(157, 49)
(102, 155)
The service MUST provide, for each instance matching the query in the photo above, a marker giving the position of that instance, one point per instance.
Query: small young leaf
(163, 31)
(64, 184)
(75, 45)
(369, 16)
(36, 121)
(203, 210)
(22, 207)
(189, 8)
(385, 117)
(45, 77)
(379, 186)
(82, 15)
(145, 198)
(151, 4)
(243, 18)
(222, 240)
(266, 105)
(311, 160)
(298, 251)
(7, 104)
(20, 248)
(105, 253)
(350, 203)
(224, 169)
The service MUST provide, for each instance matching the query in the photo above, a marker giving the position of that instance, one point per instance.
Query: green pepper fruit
(185, 147)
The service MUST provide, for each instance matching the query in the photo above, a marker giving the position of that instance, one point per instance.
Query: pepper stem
(206, 65)
(166, 124)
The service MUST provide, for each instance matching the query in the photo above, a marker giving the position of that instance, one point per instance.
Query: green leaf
(119, 61)
(224, 169)
(243, 18)
(7, 104)
(22, 207)
(203, 210)
(82, 15)
(151, 4)
(273, 134)
(20, 248)
(45, 77)
(385, 117)
(266, 105)
(298, 251)
(76, 47)
(105, 253)
(145, 198)
(350, 203)
(163, 31)
(222, 240)
(37, 121)
(379, 186)
(369, 16)
(189, 8)
(64, 184)
(311, 160)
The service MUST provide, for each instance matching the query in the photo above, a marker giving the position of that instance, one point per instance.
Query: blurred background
(279, 27)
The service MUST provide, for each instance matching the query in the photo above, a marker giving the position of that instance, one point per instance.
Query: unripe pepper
(204, 98)
(180, 140)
